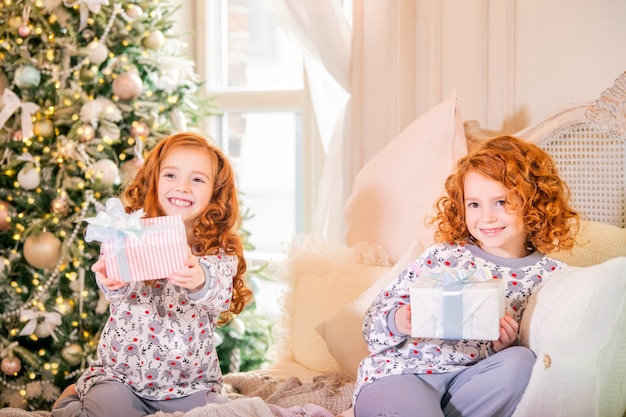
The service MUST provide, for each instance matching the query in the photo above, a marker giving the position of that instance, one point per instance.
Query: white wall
(514, 62)
(511, 61)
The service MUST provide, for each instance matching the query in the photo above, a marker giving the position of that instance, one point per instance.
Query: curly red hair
(542, 198)
(217, 227)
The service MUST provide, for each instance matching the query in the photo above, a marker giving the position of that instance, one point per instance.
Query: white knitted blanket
(257, 394)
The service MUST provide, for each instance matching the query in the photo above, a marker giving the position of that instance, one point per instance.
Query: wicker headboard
(588, 144)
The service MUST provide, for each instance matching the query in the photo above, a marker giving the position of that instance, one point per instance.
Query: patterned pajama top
(394, 353)
(158, 339)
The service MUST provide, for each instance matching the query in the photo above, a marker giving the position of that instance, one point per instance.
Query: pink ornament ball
(127, 86)
(11, 365)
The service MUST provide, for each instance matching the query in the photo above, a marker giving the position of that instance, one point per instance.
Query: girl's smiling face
(185, 184)
(497, 230)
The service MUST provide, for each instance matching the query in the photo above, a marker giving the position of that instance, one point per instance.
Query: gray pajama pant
(491, 388)
(114, 399)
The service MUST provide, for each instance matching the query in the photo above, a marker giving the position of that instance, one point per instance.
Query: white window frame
(310, 152)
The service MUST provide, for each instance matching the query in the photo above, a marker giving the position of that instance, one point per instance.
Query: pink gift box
(160, 250)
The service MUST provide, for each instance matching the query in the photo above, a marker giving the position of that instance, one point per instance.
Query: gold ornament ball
(60, 206)
(127, 86)
(72, 354)
(65, 307)
(154, 40)
(43, 128)
(129, 170)
(11, 365)
(15, 22)
(86, 133)
(106, 171)
(28, 177)
(88, 74)
(5, 216)
(42, 251)
(4, 83)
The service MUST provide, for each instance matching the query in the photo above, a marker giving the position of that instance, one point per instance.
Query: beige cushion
(576, 325)
(322, 277)
(342, 332)
(394, 193)
(596, 243)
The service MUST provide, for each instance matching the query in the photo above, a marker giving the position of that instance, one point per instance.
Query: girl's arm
(217, 291)
(380, 327)
(112, 289)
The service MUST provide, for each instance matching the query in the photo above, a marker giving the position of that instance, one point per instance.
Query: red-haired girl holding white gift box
(157, 350)
(505, 208)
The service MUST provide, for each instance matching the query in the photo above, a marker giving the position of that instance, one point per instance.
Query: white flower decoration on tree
(85, 6)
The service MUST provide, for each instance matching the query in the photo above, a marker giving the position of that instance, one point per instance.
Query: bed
(575, 323)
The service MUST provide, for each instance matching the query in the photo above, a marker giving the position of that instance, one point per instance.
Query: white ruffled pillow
(321, 277)
(343, 332)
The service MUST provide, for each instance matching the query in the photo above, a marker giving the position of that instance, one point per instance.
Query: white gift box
(467, 310)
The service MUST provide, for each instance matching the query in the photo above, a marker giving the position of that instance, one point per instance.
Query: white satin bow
(51, 320)
(11, 104)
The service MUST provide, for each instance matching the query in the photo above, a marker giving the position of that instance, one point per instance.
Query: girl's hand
(191, 276)
(403, 319)
(99, 267)
(508, 333)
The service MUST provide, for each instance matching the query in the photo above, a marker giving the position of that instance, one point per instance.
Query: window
(256, 72)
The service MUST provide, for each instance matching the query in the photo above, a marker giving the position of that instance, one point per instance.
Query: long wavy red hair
(550, 223)
(217, 227)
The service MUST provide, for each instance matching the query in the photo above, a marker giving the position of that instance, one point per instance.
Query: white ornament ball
(42, 251)
(97, 52)
(154, 40)
(44, 330)
(27, 76)
(11, 365)
(106, 171)
(72, 354)
(28, 177)
(5, 266)
(134, 11)
(127, 86)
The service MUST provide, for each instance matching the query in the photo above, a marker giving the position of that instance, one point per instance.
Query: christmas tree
(86, 88)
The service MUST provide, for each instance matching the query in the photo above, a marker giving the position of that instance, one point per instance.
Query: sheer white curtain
(362, 80)
(322, 29)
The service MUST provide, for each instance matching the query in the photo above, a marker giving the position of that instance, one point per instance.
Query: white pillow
(576, 325)
(343, 333)
(394, 193)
